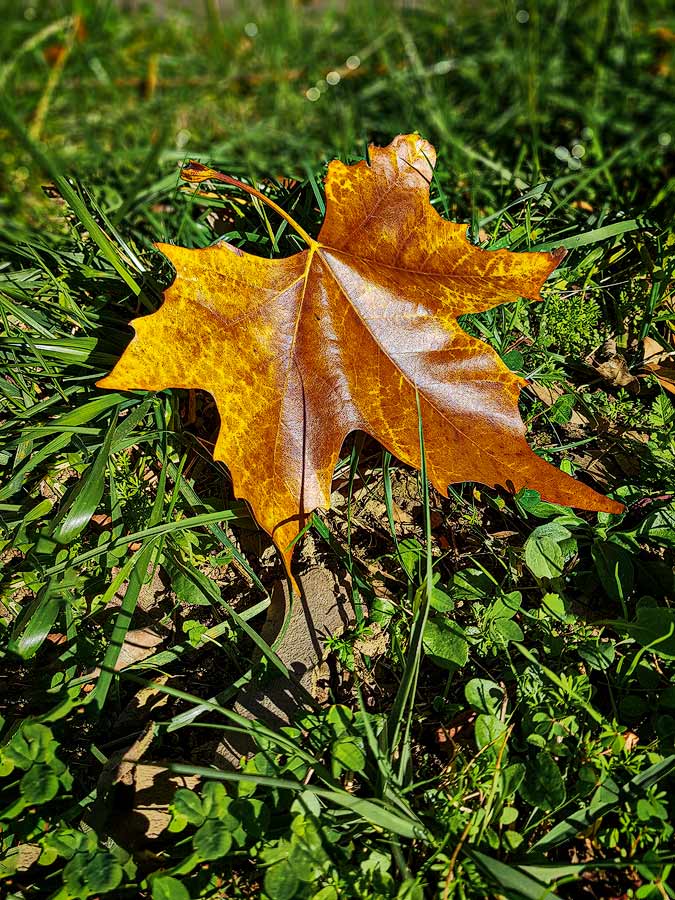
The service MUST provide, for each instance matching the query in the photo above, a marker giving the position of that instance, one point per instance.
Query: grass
(500, 717)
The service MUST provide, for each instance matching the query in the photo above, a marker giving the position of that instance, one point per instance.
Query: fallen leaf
(630, 741)
(665, 375)
(653, 352)
(133, 797)
(616, 372)
(654, 358)
(125, 770)
(667, 35)
(154, 788)
(350, 334)
(144, 704)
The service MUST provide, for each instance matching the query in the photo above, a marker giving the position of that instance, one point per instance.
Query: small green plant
(571, 324)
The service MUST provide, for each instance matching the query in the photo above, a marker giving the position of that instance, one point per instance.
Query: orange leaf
(299, 352)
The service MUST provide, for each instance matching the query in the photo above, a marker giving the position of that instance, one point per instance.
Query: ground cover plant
(497, 718)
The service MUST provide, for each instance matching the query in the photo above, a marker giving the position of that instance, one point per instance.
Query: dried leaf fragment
(345, 336)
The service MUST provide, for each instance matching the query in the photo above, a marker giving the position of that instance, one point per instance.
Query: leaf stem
(194, 172)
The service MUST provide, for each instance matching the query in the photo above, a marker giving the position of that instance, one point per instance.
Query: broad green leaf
(33, 742)
(483, 695)
(510, 778)
(614, 564)
(189, 584)
(489, 732)
(445, 643)
(39, 785)
(165, 887)
(543, 786)
(532, 503)
(505, 630)
(655, 629)
(212, 840)
(472, 583)
(103, 873)
(411, 553)
(340, 718)
(348, 753)
(36, 624)
(440, 601)
(506, 606)
(411, 889)
(215, 802)
(598, 654)
(281, 882)
(187, 804)
(547, 549)
(659, 527)
(326, 893)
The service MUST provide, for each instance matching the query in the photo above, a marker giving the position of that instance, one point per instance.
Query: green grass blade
(511, 878)
(76, 513)
(371, 811)
(69, 194)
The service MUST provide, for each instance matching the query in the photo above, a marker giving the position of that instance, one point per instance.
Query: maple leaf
(347, 335)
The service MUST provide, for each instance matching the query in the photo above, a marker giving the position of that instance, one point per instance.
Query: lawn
(485, 706)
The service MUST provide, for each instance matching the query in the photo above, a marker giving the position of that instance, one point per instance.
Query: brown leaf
(654, 358)
(28, 854)
(665, 376)
(139, 643)
(630, 741)
(616, 372)
(350, 335)
(138, 792)
(654, 353)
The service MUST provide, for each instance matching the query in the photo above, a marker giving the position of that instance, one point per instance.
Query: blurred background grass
(511, 93)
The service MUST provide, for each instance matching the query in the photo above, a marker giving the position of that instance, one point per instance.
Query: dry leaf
(654, 358)
(139, 643)
(616, 372)
(154, 788)
(348, 335)
(653, 352)
(630, 741)
(665, 376)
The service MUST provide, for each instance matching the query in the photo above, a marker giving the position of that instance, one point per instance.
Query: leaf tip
(614, 506)
(195, 172)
